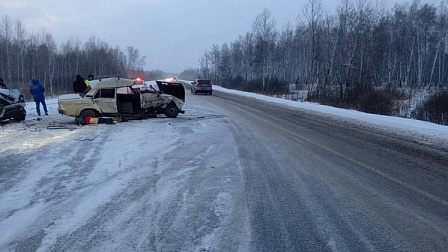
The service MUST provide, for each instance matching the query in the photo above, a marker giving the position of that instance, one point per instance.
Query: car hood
(10, 95)
(70, 97)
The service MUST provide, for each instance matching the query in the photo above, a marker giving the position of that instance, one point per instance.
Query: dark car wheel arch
(89, 112)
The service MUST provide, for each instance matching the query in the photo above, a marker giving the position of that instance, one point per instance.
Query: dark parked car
(201, 86)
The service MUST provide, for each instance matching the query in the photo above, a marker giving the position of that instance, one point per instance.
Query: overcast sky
(173, 34)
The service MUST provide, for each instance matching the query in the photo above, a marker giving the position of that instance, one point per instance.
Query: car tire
(171, 111)
(19, 115)
(89, 112)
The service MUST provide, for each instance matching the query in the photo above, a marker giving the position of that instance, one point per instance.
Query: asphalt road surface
(232, 174)
(314, 184)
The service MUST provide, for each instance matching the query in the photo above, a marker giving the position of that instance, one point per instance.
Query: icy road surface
(232, 174)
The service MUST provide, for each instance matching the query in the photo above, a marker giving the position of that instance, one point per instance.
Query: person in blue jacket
(37, 90)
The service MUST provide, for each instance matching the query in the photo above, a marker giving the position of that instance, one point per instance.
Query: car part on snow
(87, 119)
(54, 127)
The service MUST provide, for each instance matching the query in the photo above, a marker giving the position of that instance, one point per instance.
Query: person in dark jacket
(38, 92)
(79, 85)
(2, 84)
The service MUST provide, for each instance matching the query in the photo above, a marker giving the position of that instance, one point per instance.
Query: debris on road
(51, 127)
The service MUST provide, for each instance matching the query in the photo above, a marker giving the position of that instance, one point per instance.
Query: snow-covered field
(421, 131)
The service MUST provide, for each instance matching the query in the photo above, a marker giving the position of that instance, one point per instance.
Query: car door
(150, 100)
(105, 99)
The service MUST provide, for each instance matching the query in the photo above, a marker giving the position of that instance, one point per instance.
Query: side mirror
(192, 83)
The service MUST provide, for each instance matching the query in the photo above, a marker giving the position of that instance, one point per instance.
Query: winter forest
(363, 56)
(25, 55)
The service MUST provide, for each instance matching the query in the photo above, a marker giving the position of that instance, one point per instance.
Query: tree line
(24, 56)
(338, 57)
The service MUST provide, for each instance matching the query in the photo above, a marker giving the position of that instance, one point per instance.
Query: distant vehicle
(201, 86)
(117, 97)
(171, 79)
(139, 81)
(12, 105)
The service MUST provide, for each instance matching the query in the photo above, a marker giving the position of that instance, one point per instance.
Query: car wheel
(89, 112)
(19, 115)
(171, 111)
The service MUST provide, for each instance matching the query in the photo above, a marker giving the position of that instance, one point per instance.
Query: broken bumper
(8, 111)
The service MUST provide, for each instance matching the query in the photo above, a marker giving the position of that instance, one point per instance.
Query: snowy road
(232, 174)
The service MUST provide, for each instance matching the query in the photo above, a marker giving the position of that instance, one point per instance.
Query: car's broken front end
(168, 99)
(12, 105)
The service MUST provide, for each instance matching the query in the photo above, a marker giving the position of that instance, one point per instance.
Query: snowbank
(425, 132)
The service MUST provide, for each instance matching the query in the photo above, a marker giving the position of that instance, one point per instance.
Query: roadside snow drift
(424, 132)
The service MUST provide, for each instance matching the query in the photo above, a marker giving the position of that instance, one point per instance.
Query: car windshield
(125, 90)
(204, 82)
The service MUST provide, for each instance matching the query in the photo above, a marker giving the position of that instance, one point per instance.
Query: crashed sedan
(12, 105)
(117, 97)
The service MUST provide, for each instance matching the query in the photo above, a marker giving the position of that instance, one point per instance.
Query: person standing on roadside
(88, 87)
(38, 92)
(2, 84)
(79, 85)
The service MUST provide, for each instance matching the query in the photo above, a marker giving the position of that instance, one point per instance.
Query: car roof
(111, 83)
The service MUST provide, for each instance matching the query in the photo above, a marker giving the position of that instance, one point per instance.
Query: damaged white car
(118, 97)
(12, 105)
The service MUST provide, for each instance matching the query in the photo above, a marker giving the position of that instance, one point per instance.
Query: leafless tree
(36, 55)
(264, 30)
(339, 56)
